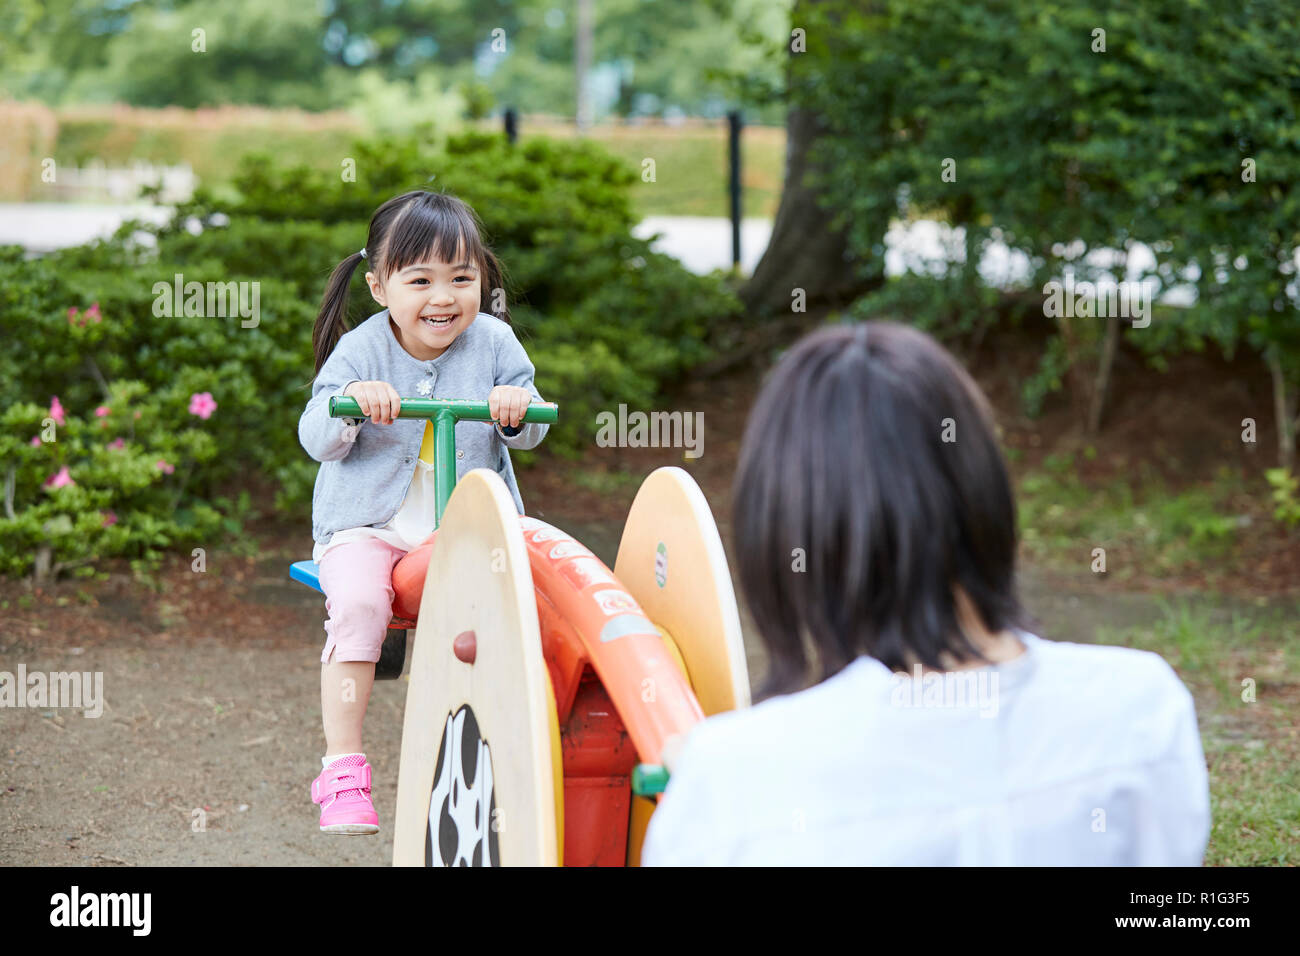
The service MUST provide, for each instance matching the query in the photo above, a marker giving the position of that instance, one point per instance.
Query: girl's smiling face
(430, 303)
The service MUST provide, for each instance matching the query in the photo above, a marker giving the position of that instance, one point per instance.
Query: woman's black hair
(405, 231)
(870, 484)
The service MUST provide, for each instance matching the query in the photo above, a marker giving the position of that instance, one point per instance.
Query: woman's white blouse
(1070, 754)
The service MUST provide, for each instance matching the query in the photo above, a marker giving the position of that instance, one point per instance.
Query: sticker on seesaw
(584, 572)
(568, 549)
(615, 601)
(661, 564)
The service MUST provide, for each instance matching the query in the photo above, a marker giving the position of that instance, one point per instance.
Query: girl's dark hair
(404, 231)
(869, 485)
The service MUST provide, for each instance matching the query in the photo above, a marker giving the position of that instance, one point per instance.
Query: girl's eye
(466, 278)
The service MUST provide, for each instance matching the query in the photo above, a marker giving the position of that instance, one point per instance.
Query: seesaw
(543, 686)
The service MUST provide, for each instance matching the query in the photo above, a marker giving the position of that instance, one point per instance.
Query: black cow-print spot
(447, 839)
(494, 849)
(469, 739)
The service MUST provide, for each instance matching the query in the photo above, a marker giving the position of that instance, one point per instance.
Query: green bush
(114, 352)
(253, 373)
(604, 319)
(110, 481)
(1286, 495)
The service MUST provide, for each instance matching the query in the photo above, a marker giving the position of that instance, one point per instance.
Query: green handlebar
(543, 412)
(444, 413)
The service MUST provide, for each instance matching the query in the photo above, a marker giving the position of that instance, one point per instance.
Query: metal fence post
(734, 126)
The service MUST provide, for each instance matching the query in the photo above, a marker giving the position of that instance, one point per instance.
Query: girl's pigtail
(331, 322)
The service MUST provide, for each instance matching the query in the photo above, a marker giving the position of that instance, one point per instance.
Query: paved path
(43, 227)
(704, 243)
(701, 243)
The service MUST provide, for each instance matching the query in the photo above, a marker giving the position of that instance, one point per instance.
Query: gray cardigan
(366, 469)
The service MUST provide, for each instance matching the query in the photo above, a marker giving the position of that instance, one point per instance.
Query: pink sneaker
(343, 792)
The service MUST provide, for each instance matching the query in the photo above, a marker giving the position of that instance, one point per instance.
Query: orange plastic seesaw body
(618, 691)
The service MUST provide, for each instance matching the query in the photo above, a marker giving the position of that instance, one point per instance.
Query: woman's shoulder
(1065, 662)
(1121, 685)
(1121, 693)
(793, 722)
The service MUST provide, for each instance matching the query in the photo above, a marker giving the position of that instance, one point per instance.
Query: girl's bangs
(424, 233)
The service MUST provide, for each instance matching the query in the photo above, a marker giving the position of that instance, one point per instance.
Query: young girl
(875, 537)
(374, 495)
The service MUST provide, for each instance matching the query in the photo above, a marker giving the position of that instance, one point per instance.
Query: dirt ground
(210, 733)
(223, 720)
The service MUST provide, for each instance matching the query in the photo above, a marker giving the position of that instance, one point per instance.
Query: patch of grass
(211, 141)
(607, 482)
(1254, 806)
(1144, 527)
(690, 160)
(691, 167)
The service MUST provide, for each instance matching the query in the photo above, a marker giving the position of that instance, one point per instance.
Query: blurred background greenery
(1153, 145)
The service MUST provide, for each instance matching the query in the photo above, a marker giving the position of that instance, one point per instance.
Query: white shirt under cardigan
(1076, 755)
(413, 521)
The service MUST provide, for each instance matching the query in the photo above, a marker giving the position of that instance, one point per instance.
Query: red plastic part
(598, 762)
(563, 653)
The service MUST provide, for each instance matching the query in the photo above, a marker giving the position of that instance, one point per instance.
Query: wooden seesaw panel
(672, 561)
(477, 783)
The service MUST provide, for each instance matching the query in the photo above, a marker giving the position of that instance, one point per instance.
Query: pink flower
(56, 410)
(109, 518)
(201, 404)
(117, 443)
(102, 411)
(60, 479)
(36, 440)
(163, 467)
(72, 316)
(93, 312)
(137, 414)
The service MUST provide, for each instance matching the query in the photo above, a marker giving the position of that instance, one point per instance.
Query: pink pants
(357, 579)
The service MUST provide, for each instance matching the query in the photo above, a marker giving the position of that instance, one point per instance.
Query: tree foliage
(647, 56)
(1066, 131)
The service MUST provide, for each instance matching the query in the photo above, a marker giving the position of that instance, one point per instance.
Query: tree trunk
(1284, 410)
(803, 253)
(1097, 407)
